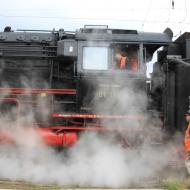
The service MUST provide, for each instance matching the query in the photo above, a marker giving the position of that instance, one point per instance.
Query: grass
(168, 184)
(174, 184)
(22, 185)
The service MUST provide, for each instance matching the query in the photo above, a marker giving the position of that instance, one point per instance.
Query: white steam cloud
(97, 160)
(94, 162)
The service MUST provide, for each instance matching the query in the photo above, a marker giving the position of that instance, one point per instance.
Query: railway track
(155, 183)
(21, 185)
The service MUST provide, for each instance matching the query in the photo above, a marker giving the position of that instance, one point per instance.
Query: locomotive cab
(110, 61)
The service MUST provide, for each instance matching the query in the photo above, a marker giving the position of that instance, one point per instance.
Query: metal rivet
(35, 38)
(20, 37)
(3, 37)
(49, 39)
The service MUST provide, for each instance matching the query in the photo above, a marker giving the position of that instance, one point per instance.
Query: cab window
(95, 58)
(125, 57)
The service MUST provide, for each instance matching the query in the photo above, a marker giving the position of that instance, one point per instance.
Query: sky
(142, 15)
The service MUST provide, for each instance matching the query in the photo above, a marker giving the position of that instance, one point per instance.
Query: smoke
(93, 162)
(98, 159)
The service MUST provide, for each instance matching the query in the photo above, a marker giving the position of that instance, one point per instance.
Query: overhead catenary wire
(56, 13)
(185, 16)
(5, 13)
(169, 14)
(147, 12)
(90, 19)
(62, 9)
(183, 21)
(173, 4)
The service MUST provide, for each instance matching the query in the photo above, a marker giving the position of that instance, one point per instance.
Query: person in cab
(121, 59)
(126, 60)
(187, 143)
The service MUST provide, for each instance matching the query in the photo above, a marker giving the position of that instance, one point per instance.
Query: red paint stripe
(37, 91)
(95, 116)
(92, 128)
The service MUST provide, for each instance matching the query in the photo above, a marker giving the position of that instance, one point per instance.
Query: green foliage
(175, 185)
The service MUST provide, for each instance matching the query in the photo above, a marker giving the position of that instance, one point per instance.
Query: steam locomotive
(67, 83)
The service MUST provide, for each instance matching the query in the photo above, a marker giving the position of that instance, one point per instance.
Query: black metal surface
(55, 59)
